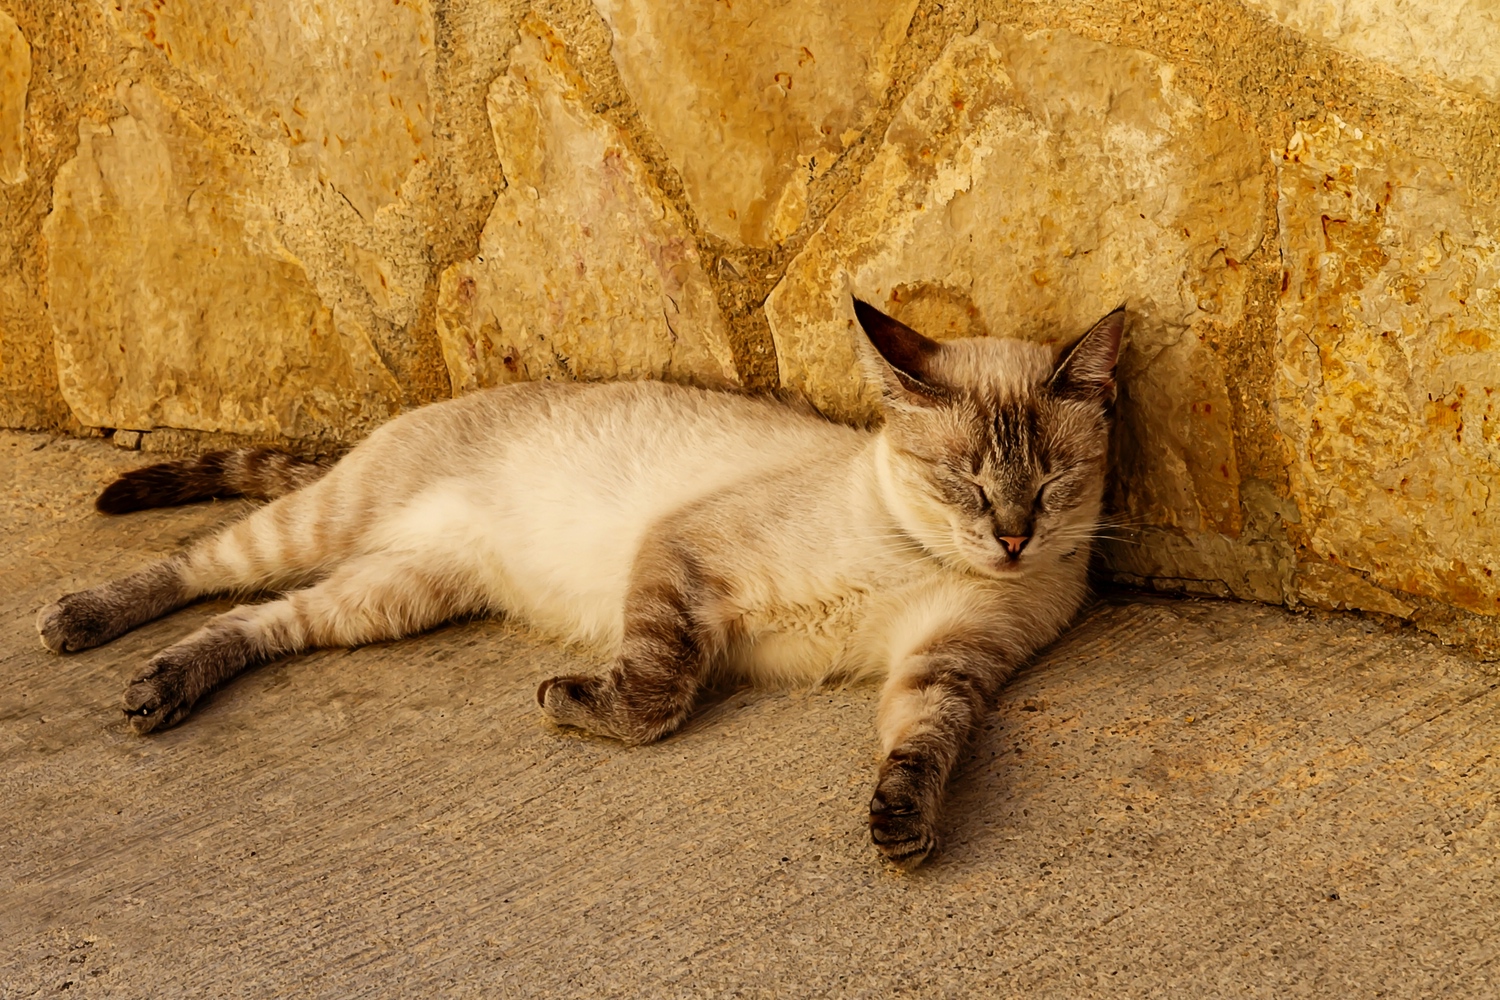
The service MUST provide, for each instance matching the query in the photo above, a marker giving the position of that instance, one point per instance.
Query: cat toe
(156, 699)
(50, 625)
(903, 839)
(74, 622)
(587, 703)
(568, 700)
(902, 820)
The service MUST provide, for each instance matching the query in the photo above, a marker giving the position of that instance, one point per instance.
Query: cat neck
(892, 497)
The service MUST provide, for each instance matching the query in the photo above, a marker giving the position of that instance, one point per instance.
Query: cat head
(996, 449)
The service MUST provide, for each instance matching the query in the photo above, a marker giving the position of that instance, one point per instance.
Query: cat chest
(834, 615)
(809, 638)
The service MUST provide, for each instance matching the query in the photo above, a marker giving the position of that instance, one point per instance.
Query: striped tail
(259, 473)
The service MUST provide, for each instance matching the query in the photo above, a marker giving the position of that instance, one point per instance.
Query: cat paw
(572, 701)
(158, 698)
(902, 819)
(76, 622)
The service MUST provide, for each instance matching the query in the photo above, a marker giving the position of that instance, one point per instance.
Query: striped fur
(684, 534)
(258, 473)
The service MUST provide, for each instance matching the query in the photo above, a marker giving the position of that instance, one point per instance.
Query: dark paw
(159, 698)
(78, 621)
(903, 819)
(572, 701)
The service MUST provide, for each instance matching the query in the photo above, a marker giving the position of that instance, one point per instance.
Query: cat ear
(907, 352)
(1086, 370)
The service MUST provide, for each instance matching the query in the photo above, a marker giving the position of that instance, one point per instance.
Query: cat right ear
(908, 354)
(1086, 371)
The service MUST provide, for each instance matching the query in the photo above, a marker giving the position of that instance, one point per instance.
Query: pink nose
(1014, 544)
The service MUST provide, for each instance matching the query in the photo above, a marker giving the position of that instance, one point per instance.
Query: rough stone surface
(584, 269)
(335, 102)
(1450, 42)
(1388, 387)
(171, 308)
(346, 91)
(753, 99)
(15, 79)
(1029, 184)
(1189, 799)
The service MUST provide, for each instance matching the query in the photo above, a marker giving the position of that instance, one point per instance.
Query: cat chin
(1004, 569)
(997, 566)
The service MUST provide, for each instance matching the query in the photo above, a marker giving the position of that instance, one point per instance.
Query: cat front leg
(933, 701)
(668, 641)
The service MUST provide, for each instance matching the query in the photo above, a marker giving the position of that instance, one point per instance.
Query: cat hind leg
(93, 617)
(369, 599)
(281, 544)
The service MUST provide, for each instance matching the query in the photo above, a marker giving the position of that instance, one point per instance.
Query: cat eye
(1041, 496)
(982, 497)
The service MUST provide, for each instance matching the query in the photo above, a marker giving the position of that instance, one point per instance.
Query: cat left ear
(908, 353)
(1086, 371)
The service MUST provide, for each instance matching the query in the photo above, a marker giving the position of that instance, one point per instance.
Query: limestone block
(344, 83)
(753, 99)
(1027, 185)
(1388, 378)
(168, 313)
(584, 270)
(15, 78)
(28, 378)
(1334, 589)
(1455, 42)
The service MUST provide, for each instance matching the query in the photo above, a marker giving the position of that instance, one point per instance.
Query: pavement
(1180, 798)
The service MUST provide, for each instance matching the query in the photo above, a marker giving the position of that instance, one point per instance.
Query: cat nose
(1014, 544)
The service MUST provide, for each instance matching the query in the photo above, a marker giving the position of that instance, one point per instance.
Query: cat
(684, 533)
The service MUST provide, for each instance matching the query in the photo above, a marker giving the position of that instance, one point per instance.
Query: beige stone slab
(755, 98)
(1452, 42)
(335, 103)
(28, 375)
(1029, 184)
(584, 269)
(169, 312)
(15, 79)
(1179, 799)
(1388, 378)
(344, 83)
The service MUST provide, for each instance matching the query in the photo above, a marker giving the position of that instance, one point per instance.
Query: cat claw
(587, 703)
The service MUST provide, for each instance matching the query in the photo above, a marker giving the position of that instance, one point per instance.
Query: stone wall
(280, 220)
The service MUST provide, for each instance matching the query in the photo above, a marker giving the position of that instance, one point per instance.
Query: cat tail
(258, 473)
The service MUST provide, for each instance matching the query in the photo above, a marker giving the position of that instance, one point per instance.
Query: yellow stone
(166, 310)
(737, 92)
(342, 84)
(15, 79)
(584, 270)
(1388, 377)
(1333, 589)
(1454, 42)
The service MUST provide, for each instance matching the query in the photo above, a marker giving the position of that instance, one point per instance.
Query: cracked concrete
(1181, 798)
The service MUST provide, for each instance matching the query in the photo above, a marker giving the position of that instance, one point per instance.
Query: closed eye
(1041, 494)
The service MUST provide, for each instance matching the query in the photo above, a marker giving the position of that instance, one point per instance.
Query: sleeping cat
(683, 533)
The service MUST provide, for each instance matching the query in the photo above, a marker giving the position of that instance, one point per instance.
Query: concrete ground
(1181, 798)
